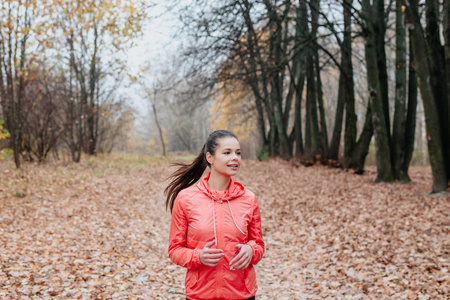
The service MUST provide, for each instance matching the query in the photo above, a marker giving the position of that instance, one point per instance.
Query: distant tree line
(279, 50)
(59, 72)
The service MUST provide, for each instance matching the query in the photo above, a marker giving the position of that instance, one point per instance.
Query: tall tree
(446, 26)
(348, 86)
(346, 94)
(298, 75)
(438, 73)
(425, 74)
(411, 113)
(312, 134)
(374, 22)
(400, 93)
(322, 125)
(276, 69)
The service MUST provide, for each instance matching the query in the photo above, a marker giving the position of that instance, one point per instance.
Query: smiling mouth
(233, 166)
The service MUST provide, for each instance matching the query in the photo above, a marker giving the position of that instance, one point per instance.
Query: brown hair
(188, 174)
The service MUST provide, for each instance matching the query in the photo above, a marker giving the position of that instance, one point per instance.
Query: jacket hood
(235, 189)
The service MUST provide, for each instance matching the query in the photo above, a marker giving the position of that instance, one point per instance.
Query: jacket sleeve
(179, 253)
(255, 235)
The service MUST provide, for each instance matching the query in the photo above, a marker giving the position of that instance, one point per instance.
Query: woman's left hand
(243, 259)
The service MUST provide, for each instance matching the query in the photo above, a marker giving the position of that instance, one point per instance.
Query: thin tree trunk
(301, 36)
(350, 133)
(349, 93)
(298, 136)
(333, 150)
(92, 110)
(273, 142)
(79, 134)
(410, 116)
(323, 124)
(291, 93)
(78, 143)
(319, 144)
(161, 136)
(400, 94)
(260, 121)
(312, 127)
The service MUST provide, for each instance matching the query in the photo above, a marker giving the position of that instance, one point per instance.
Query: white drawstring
(233, 218)
(214, 218)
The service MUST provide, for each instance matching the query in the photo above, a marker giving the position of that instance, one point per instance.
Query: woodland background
(312, 80)
(349, 87)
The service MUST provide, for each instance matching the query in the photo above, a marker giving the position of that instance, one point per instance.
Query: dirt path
(99, 231)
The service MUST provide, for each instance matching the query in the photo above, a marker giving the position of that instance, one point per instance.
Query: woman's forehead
(228, 142)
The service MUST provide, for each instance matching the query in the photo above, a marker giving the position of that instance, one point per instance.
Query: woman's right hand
(210, 257)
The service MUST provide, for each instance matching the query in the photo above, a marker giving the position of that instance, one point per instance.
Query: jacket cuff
(253, 245)
(196, 263)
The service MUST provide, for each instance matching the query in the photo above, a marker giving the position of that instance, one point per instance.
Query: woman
(216, 225)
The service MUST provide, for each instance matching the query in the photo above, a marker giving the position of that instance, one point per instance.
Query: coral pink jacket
(201, 215)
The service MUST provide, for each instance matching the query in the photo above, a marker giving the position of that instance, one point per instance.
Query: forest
(342, 109)
(317, 81)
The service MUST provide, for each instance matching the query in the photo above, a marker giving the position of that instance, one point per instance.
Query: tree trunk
(323, 123)
(298, 136)
(349, 93)
(312, 144)
(446, 26)
(312, 138)
(379, 30)
(161, 136)
(383, 153)
(276, 82)
(273, 143)
(261, 124)
(435, 149)
(410, 116)
(400, 94)
(300, 38)
(79, 134)
(333, 150)
(80, 102)
(362, 146)
(322, 134)
(93, 101)
(436, 54)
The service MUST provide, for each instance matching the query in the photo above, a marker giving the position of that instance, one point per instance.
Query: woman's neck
(218, 182)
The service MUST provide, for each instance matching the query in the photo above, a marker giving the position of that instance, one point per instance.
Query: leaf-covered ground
(99, 230)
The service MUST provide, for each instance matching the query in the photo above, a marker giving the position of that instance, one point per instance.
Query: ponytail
(188, 174)
(184, 177)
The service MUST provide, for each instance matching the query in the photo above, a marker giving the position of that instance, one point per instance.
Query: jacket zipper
(220, 245)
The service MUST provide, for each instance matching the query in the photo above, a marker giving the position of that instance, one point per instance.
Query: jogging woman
(216, 225)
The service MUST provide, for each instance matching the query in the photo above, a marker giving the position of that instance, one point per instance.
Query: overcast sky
(155, 48)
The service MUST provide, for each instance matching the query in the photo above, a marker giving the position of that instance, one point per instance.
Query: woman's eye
(227, 152)
(238, 153)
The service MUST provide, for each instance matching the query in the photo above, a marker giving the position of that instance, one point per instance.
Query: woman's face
(227, 157)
